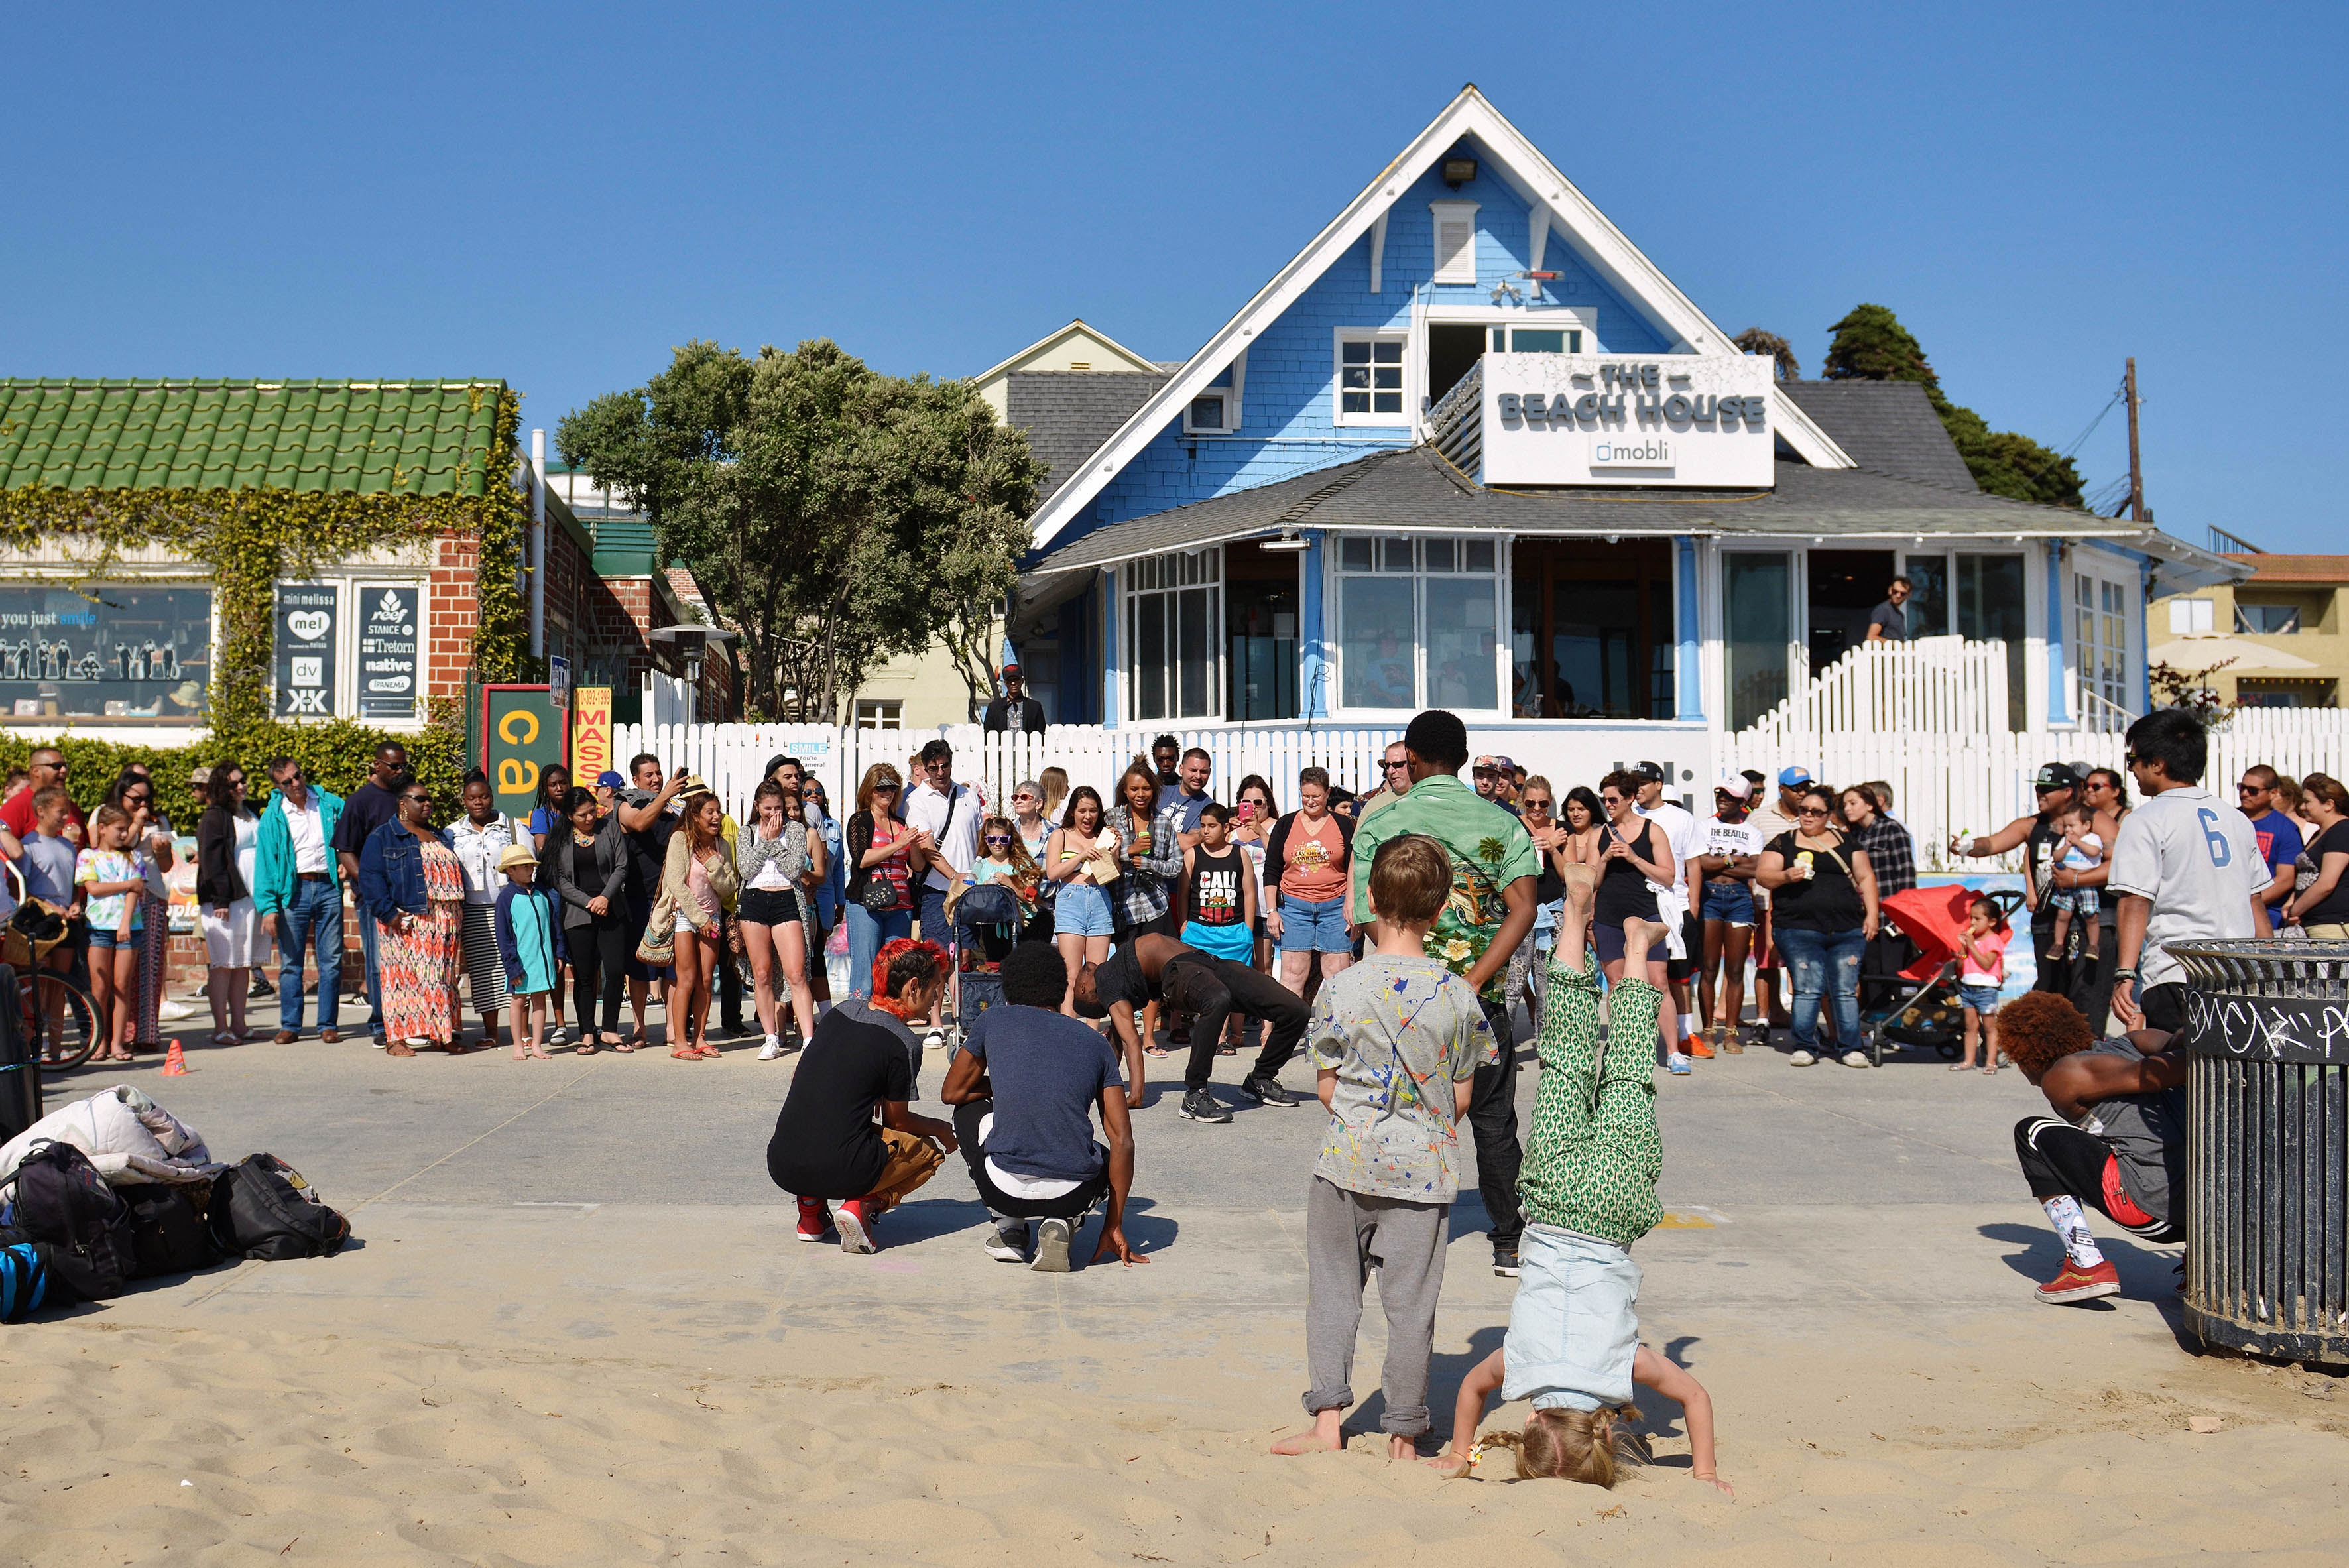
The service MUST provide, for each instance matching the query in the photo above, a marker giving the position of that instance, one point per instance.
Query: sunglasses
(2250, 788)
(1811, 811)
(885, 789)
(991, 838)
(1023, 795)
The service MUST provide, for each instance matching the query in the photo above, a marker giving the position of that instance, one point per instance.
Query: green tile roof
(414, 438)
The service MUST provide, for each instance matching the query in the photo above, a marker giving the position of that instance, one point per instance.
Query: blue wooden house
(1471, 448)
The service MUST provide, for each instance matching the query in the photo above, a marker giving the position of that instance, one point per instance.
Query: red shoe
(1697, 1047)
(855, 1228)
(2076, 1284)
(815, 1219)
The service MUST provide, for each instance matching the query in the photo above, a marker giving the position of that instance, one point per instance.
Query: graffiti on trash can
(2266, 1028)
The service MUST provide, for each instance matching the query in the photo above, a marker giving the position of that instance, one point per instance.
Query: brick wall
(453, 616)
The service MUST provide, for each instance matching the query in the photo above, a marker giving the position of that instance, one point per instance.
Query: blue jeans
(1819, 960)
(867, 932)
(316, 912)
(368, 929)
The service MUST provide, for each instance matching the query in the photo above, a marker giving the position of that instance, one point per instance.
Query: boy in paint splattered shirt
(1396, 1041)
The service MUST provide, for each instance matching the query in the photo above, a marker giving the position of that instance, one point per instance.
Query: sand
(600, 1384)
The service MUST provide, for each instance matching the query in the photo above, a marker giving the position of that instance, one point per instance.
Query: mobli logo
(1652, 452)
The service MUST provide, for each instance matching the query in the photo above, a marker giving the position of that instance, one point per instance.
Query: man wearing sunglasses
(2055, 786)
(2279, 840)
(297, 887)
(1394, 782)
(47, 767)
(1015, 710)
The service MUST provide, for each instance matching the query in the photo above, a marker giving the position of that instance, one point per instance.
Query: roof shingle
(1068, 414)
(414, 438)
(1887, 425)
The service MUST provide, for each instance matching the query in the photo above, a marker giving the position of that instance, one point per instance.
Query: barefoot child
(1396, 1041)
(1589, 1185)
(1981, 970)
(112, 880)
(530, 943)
(2083, 850)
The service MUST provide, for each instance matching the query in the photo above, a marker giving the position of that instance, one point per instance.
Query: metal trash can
(2267, 1163)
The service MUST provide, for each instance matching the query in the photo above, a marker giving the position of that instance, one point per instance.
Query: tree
(1870, 345)
(834, 516)
(1754, 340)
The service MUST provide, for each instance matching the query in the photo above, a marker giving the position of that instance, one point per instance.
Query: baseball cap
(1790, 778)
(1484, 765)
(1736, 786)
(2055, 776)
(609, 780)
(1652, 771)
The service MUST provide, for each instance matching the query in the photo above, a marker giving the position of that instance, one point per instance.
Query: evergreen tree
(1870, 345)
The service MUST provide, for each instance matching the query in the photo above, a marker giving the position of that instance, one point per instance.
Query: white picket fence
(1945, 779)
(1934, 686)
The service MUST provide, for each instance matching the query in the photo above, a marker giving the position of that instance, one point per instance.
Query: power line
(2073, 449)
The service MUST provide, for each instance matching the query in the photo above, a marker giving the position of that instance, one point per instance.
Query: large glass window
(1757, 611)
(120, 653)
(1171, 635)
(1928, 609)
(1260, 665)
(1990, 607)
(1418, 622)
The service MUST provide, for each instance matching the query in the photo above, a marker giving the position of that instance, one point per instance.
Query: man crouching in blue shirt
(1024, 1087)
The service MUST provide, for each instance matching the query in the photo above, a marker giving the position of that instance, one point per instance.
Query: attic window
(1081, 364)
(1214, 409)
(1455, 241)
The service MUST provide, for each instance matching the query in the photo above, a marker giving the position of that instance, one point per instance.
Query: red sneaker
(1697, 1047)
(855, 1235)
(2076, 1284)
(815, 1219)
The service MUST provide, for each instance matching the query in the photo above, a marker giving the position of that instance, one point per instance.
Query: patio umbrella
(2202, 653)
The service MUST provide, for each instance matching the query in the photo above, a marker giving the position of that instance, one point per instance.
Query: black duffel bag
(62, 1200)
(263, 1208)
(168, 1230)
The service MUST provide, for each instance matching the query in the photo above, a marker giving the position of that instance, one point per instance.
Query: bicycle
(60, 1021)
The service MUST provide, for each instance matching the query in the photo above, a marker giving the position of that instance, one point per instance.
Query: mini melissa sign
(307, 635)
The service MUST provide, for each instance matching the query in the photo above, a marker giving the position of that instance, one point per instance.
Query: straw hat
(516, 855)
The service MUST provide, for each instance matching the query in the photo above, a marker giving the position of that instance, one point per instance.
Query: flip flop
(584, 1048)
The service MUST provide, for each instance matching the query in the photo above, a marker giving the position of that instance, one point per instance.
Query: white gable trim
(1516, 161)
(1135, 361)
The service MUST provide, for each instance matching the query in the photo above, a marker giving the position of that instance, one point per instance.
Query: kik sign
(308, 628)
(1606, 419)
(523, 733)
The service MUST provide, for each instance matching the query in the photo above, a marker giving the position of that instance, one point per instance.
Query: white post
(538, 544)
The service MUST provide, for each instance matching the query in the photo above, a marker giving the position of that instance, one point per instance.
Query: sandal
(707, 1051)
(225, 1037)
(585, 1047)
(679, 1053)
(398, 1049)
(635, 1041)
(1154, 1050)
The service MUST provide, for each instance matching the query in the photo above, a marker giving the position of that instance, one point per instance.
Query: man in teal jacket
(298, 888)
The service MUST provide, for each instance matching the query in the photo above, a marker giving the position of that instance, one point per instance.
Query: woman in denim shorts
(1306, 856)
(1083, 918)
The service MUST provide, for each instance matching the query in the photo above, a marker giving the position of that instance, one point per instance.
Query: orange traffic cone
(175, 1062)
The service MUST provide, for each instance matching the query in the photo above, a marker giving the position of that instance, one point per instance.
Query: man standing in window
(1015, 710)
(1491, 909)
(1889, 622)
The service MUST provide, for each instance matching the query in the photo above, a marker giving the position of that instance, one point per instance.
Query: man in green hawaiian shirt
(1491, 909)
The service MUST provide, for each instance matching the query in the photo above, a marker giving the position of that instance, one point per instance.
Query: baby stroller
(1923, 1008)
(988, 924)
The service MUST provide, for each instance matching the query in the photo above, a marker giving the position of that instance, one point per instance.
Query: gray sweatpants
(1346, 1236)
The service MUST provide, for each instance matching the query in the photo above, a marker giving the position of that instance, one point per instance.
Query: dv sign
(306, 639)
(523, 733)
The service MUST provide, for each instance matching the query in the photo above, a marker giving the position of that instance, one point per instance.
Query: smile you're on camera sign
(1612, 419)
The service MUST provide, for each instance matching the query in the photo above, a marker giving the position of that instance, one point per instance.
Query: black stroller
(988, 924)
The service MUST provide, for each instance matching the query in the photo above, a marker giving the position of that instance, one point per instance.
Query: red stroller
(1924, 1008)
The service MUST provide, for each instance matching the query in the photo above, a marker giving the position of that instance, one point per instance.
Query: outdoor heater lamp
(1458, 171)
(1287, 543)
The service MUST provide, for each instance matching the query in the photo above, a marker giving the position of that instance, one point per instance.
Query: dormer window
(1215, 409)
(1455, 241)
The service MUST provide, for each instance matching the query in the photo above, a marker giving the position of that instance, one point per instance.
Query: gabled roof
(1068, 414)
(412, 437)
(1133, 361)
(1887, 425)
(1514, 160)
(1415, 489)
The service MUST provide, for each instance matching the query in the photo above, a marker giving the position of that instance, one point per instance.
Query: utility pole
(2136, 474)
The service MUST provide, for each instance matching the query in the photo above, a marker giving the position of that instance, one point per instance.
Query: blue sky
(558, 194)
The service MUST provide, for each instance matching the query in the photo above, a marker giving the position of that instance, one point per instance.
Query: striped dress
(420, 965)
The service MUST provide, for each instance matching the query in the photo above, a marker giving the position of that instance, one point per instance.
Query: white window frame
(2185, 612)
(1339, 338)
(879, 713)
(1461, 268)
(1333, 599)
(1208, 575)
(1231, 397)
(2105, 597)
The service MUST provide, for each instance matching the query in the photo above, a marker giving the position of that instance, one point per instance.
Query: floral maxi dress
(420, 965)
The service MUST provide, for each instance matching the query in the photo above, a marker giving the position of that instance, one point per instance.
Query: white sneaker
(1677, 1064)
(771, 1050)
(1801, 1059)
(935, 1040)
(1858, 1059)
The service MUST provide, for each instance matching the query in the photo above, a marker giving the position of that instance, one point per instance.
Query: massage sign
(1601, 419)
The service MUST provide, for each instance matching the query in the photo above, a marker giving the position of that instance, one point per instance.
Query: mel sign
(523, 733)
(1602, 419)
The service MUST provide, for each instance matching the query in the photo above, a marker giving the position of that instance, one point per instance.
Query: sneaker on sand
(1505, 1262)
(1857, 1059)
(1697, 1047)
(2076, 1284)
(1265, 1091)
(1198, 1105)
(853, 1234)
(1677, 1064)
(1053, 1239)
(815, 1219)
(771, 1050)
(1007, 1246)
(1801, 1059)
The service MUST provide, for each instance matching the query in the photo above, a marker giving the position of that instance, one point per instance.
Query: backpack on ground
(167, 1234)
(27, 1283)
(61, 1199)
(263, 1208)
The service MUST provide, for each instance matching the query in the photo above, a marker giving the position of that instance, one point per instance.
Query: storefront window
(1990, 607)
(1399, 598)
(127, 654)
(1758, 614)
(1591, 629)
(1171, 613)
